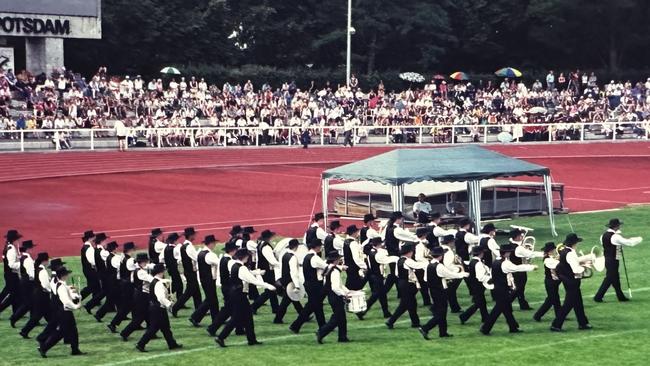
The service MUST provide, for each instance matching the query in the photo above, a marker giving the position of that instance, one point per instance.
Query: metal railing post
(92, 140)
(322, 135)
(485, 134)
(614, 132)
(582, 132)
(453, 135)
(550, 133)
(289, 135)
(22, 140)
(421, 135)
(387, 135)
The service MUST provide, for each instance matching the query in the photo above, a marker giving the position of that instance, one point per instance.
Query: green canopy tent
(469, 164)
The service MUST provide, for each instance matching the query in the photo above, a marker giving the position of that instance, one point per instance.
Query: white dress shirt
(382, 258)
(66, 297)
(192, 253)
(320, 233)
(522, 252)
(294, 270)
(90, 256)
(160, 291)
(618, 240)
(338, 244)
(470, 238)
(356, 250)
(13, 258)
(508, 267)
(574, 263)
(401, 234)
(318, 263)
(445, 273)
(492, 245)
(483, 273)
(116, 261)
(212, 259)
(44, 279)
(439, 232)
(421, 207)
(337, 285)
(267, 252)
(421, 251)
(103, 253)
(248, 277)
(176, 251)
(28, 263)
(371, 234)
(159, 246)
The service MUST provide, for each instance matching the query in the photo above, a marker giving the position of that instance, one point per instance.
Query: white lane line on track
(277, 174)
(595, 200)
(179, 353)
(608, 189)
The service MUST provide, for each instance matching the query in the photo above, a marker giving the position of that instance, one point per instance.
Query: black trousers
(612, 278)
(391, 279)
(125, 302)
(52, 322)
(502, 305)
(242, 316)
(98, 289)
(12, 286)
(191, 291)
(426, 299)
(140, 313)
(478, 303)
(439, 312)
(209, 304)
(452, 297)
(26, 293)
(284, 305)
(407, 302)
(92, 282)
(552, 299)
(177, 282)
(66, 330)
(112, 291)
(572, 301)
(338, 318)
(224, 313)
(378, 289)
(520, 278)
(269, 277)
(159, 321)
(315, 297)
(347, 138)
(40, 309)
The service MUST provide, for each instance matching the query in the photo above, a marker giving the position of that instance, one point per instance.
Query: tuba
(594, 261)
(528, 242)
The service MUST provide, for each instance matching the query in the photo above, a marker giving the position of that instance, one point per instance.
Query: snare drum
(357, 302)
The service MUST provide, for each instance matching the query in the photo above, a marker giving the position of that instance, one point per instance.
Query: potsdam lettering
(20, 25)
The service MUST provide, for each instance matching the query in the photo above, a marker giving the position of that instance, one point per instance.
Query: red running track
(53, 197)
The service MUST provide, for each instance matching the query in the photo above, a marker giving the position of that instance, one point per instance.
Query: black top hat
(293, 243)
(189, 231)
(142, 257)
(351, 230)
(333, 256)
(438, 251)
(421, 231)
(315, 244)
(447, 239)
(128, 246)
(56, 263)
(368, 217)
(171, 238)
(27, 244)
(230, 246)
(548, 247)
(267, 234)
(614, 223)
(209, 239)
(42, 257)
(507, 248)
(477, 249)
(318, 216)
(464, 222)
(13, 235)
(406, 248)
(155, 232)
(335, 225)
(488, 228)
(248, 230)
(236, 229)
(62, 271)
(158, 268)
(87, 235)
(515, 233)
(242, 253)
(396, 215)
(435, 216)
(572, 239)
(100, 237)
(112, 246)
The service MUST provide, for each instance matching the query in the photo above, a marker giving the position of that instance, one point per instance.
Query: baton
(627, 279)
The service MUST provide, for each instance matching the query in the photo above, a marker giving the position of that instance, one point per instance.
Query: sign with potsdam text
(37, 25)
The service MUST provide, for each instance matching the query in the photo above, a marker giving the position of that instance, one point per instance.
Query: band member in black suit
(189, 258)
(208, 263)
(242, 315)
(88, 264)
(316, 230)
(93, 255)
(11, 260)
(67, 301)
(266, 262)
(377, 258)
(437, 276)
(40, 295)
(312, 268)
(392, 235)
(235, 234)
(290, 274)
(504, 286)
(487, 242)
(332, 241)
(478, 281)
(449, 260)
(521, 278)
(124, 286)
(224, 277)
(570, 272)
(141, 283)
(465, 238)
(423, 254)
(159, 304)
(369, 229)
(170, 258)
(53, 320)
(613, 243)
(407, 285)
(26, 282)
(551, 283)
(156, 244)
(353, 255)
(337, 294)
(108, 277)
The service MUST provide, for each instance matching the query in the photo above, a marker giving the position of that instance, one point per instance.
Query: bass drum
(295, 294)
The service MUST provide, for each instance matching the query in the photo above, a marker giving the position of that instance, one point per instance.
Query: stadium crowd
(68, 100)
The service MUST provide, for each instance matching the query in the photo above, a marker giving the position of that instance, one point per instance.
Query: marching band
(333, 265)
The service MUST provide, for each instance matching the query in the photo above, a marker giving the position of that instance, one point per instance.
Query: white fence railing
(38, 139)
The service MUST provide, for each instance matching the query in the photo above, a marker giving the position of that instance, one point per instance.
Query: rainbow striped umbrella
(508, 72)
(459, 75)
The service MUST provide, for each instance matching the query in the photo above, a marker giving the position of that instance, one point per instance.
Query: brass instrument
(528, 242)
(592, 262)
(168, 284)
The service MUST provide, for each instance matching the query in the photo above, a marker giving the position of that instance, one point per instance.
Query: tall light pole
(349, 32)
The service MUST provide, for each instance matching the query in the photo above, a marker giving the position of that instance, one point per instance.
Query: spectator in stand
(121, 131)
(550, 81)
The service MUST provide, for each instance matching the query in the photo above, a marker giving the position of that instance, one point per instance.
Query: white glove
(269, 287)
(465, 275)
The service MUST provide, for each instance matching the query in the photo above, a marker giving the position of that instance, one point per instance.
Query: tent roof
(452, 164)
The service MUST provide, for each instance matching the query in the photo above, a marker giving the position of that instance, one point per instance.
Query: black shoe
(516, 331)
(345, 340)
(41, 352)
(598, 299)
(447, 335)
(462, 321)
(140, 348)
(319, 339)
(77, 353)
(623, 299)
(12, 322)
(424, 333)
(294, 330)
(525, 307)
(111, 327)
(255, 343)
(484, 332)
(99, 320)
(175, 346)
(140, 327)
(415, 325)
(556, 329)
(24, 335)
(585, 327)
(537, 318)
(194, 323)
(220, 342)
(387, 315)
(389, 325)
(456, 311)
(278, 321)
(124, 338)
(174, 313)
(88, 310)
(360, 315)
(211, 332)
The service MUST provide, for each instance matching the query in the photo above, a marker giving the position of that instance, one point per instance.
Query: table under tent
(472, 165)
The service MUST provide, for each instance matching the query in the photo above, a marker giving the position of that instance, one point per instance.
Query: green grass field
(620, 333)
